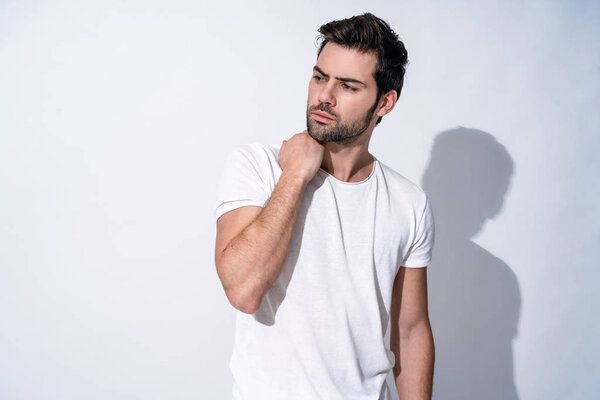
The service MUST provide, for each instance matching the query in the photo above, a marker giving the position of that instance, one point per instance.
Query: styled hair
(369, 34)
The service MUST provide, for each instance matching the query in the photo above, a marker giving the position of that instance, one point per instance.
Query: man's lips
(321, 116)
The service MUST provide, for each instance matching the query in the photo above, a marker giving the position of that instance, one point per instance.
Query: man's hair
(369, 34)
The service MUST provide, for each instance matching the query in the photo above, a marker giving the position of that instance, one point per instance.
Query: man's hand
(301, 155)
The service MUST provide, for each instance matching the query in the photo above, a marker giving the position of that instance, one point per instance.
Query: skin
(252, 242)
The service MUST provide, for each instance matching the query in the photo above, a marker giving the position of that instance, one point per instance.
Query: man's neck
(351, 163)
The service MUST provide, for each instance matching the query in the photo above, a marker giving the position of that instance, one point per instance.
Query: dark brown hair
(367, 33)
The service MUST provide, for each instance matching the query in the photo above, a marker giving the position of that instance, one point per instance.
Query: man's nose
(326, 94)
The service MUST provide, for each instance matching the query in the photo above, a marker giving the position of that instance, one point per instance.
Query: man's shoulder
(256, 150)
(400, 184)
(259, 159)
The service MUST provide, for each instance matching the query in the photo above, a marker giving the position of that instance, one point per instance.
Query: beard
(338, 132)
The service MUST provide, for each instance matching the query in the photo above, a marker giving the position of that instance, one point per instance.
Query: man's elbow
(245, 304)
(242, 295)
(415, 329)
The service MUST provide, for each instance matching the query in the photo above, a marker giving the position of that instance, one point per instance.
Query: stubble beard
(342, 133)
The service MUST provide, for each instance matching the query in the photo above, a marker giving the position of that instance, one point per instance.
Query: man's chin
(312, 135)
(316, 134)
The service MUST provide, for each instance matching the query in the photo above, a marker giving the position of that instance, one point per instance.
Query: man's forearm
(253, 260)
(413, 371)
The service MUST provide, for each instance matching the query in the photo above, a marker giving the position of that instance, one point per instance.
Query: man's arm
(252, 242)
(411, 338)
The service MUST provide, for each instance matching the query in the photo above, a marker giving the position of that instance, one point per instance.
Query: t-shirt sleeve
(241, 182)
(419, 254)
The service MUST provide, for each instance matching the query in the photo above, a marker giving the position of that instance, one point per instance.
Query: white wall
(114, 121)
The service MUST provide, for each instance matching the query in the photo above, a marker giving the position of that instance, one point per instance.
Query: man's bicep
(241, 181)
(241, 194)
(420, 251)
(409, 299)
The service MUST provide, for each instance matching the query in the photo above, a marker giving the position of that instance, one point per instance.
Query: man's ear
(387, 103)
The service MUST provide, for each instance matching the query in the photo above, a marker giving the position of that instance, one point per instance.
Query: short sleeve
(419, 254)
(241, 182)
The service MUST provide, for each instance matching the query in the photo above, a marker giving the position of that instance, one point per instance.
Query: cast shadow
(474, 297)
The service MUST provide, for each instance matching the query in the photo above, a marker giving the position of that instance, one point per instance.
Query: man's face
(341, 95)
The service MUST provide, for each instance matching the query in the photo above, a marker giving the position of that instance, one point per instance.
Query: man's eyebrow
(319, 70)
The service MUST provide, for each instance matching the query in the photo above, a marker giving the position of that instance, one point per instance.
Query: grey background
(115, 117)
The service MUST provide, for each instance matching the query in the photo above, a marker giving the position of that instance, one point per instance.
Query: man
(319, 244)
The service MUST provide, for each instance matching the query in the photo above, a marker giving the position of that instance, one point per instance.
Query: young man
(320, 245)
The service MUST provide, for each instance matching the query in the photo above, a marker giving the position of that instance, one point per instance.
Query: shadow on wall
(474, 297)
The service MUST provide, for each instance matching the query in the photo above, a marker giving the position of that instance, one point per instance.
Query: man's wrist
(295, 178)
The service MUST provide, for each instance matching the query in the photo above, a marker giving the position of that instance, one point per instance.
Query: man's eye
(350, 88)
(317, 78)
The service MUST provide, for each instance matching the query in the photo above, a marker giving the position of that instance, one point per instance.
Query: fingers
(282, 147)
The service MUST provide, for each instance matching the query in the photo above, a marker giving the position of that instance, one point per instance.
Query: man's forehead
(342, 61)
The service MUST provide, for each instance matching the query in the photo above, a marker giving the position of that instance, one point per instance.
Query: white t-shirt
(319, 332)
